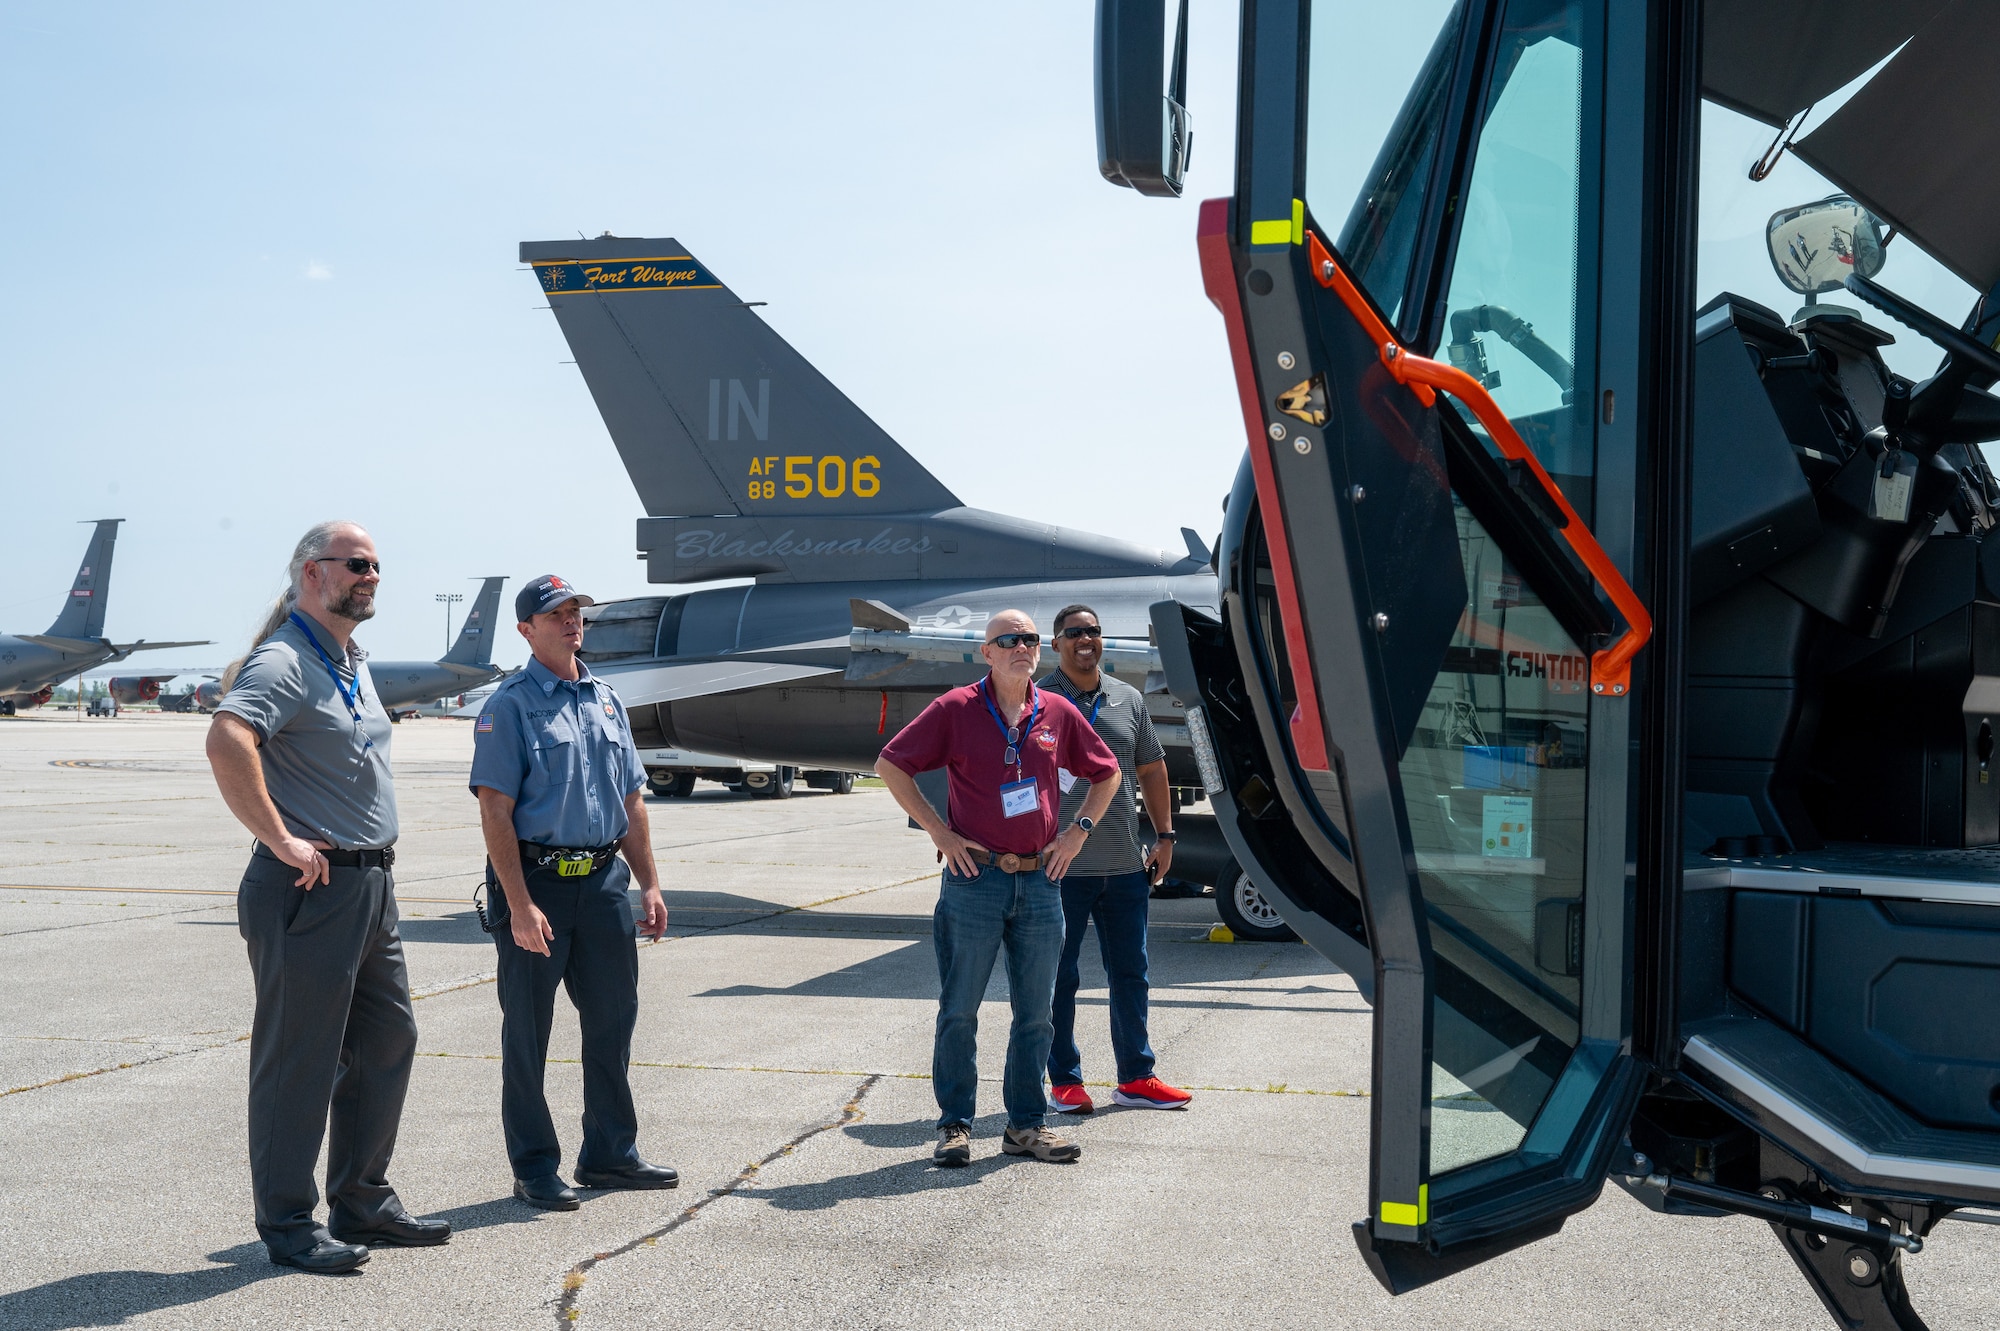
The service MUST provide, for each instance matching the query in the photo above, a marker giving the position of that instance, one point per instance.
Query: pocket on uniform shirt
(550, 745)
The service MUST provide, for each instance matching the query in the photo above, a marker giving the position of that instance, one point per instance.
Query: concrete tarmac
(781, 1064)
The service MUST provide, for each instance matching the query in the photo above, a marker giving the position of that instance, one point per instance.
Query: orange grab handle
(1610, 669)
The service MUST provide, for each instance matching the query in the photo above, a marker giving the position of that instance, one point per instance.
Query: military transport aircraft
(1609, 663)
(870, 583)
(32, 664)
(407, 685)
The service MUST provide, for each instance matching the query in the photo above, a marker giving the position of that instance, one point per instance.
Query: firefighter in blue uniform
(561, 794)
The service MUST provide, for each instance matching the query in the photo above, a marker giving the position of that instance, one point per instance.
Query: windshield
(1377, 83)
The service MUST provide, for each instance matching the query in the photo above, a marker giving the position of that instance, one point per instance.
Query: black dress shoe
(403, 1231)
(548, 1192)
(328, 1257)
(641, 1175)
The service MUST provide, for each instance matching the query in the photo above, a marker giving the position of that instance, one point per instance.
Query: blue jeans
(1118, 903)
(974, 917)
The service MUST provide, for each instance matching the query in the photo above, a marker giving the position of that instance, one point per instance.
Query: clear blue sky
(263, 273)
(262, 263)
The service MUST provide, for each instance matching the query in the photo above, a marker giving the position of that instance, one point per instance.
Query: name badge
(1066, 777)
(1019, 797)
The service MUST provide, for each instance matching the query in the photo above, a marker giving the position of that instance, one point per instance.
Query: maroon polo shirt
(960, 734)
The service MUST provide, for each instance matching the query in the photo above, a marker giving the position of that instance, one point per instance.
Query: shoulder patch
(485, 725)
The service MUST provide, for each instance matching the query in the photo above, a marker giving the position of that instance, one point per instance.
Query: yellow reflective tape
(1402, 1213)
(1271, 233)
(1283, 231)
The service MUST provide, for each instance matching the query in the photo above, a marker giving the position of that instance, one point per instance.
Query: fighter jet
(31, 664)
(407, 685)
(870, 581)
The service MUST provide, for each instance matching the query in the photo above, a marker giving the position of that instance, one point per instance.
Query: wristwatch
(1086, 824)
(1168, 835)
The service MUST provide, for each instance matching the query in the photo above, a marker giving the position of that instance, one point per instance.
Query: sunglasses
(355, 564)
(1075, 631)
(1007, 642)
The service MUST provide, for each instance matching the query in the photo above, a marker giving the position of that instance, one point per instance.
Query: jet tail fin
(83, 613)
(712, 412)
(474, 644)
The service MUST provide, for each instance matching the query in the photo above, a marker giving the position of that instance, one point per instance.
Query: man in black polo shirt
(1111, 879)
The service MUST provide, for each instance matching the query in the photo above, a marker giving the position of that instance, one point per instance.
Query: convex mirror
(1817, 247)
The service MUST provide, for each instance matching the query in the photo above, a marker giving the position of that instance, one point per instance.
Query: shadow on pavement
(111, 1298)
(901, 1178)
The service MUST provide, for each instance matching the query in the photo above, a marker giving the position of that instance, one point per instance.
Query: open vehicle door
(1430, 604)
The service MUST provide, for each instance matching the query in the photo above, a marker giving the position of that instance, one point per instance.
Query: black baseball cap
(544, 594)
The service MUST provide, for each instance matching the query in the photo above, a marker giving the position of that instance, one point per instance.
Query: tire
(843, 783)
(780, 787)
(679, 786)
(1249, 916)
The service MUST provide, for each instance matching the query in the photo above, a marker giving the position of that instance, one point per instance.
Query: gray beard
(350, 608)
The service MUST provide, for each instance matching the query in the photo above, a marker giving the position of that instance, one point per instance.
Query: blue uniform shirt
(562, 752)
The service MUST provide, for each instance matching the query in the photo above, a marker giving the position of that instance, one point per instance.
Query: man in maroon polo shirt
(1000, 742)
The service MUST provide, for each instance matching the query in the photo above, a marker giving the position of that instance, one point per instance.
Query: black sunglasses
(1075, 631)
(355, 564)
(1007, 642)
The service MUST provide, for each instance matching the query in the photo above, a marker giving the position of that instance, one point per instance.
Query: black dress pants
(333, 1031)
(595, 956)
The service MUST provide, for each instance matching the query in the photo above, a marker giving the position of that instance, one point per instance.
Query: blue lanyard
(1007, 732)
(349, 696)
(1095, 705)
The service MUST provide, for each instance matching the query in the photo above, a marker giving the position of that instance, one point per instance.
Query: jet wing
(643, 684)
(127, 648)
(70, 646)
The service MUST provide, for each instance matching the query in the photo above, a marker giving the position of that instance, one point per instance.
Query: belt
(351, 859)
(533, 852)
(1008, 863)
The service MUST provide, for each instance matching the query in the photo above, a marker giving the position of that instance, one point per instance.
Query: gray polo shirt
(1127, 729)
(328, 774)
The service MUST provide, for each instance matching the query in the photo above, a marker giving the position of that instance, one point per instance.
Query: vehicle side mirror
(1819, 246)
(1143, 134)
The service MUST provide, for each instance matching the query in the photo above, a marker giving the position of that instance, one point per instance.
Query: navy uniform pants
(595, 956)
(333, 1031)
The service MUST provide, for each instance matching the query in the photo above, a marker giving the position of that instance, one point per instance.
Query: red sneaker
(1070, 1099)
(1150, 1093)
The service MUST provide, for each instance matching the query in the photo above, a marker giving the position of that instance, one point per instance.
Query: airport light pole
(449, 599)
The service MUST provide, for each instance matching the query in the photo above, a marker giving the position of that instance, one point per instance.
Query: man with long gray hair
(300, 749)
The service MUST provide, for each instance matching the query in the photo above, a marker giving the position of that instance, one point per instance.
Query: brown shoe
(954, 1146)
(1040, 1143)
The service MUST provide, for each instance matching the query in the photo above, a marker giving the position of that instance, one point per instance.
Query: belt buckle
(575, 866)
(1010, 863)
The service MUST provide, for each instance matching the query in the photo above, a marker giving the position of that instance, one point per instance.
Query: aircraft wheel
(843, 783)
(1247, 913)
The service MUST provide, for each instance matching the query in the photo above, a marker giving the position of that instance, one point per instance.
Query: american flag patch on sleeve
(485, 725)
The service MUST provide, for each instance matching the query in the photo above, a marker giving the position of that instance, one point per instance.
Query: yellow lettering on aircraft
(828, 477)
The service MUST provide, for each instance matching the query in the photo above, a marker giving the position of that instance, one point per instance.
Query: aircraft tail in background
(713, 413)
(474, 644)
(82, 616)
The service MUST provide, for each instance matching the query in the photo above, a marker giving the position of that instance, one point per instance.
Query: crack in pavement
(567, 1311)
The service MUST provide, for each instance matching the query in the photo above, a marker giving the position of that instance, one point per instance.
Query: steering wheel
(1960, 347)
